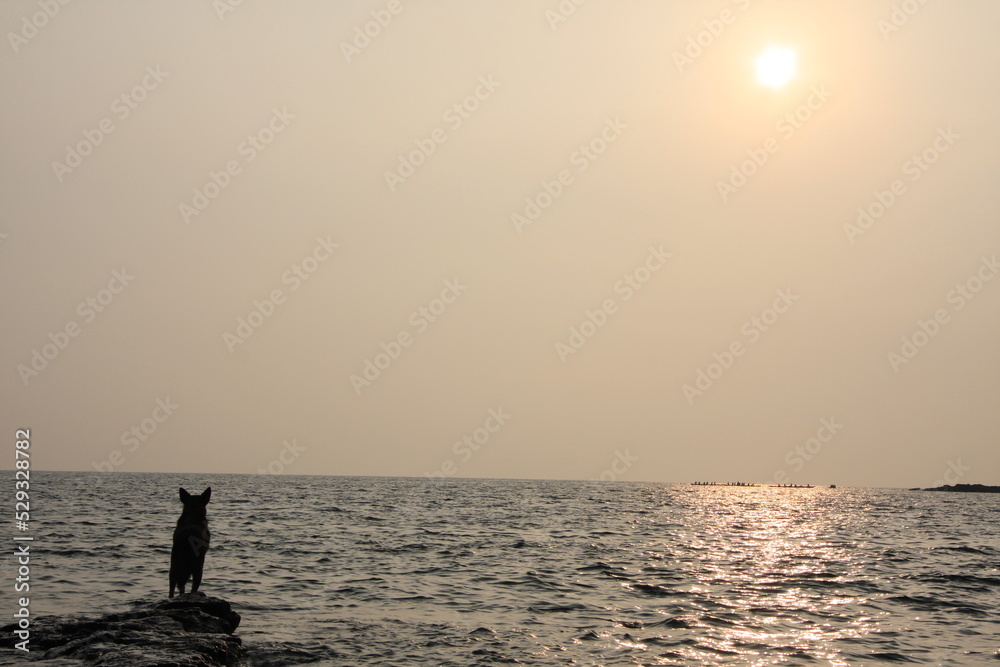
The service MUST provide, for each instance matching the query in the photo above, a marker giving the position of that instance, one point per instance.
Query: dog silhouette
(191, 537)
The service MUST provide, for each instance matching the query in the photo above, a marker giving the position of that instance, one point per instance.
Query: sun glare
(776, 67)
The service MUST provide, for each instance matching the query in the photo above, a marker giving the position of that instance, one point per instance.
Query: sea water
(418, 571)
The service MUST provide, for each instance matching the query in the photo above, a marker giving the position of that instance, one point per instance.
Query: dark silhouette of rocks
(975, 488)
(191, 629)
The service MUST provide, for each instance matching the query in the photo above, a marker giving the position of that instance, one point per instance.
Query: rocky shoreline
(191, 629)
(965, 488)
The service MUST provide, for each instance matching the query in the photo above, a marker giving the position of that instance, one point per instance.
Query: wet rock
(188, 630)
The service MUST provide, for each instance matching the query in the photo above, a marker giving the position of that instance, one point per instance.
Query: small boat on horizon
(724, 484)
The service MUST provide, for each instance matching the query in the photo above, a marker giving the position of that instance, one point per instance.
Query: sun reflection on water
(768, 567)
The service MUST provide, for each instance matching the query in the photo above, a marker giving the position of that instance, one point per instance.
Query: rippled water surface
(393, 571)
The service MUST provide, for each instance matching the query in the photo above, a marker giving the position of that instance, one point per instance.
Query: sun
(776, 67)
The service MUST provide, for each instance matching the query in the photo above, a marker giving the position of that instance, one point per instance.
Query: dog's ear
(205, 496)
(184, 495)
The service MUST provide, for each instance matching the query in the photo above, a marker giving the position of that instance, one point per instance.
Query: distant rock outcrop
(191, 629)
(977, 488)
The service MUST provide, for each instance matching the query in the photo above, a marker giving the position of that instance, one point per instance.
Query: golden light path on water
(750, 542)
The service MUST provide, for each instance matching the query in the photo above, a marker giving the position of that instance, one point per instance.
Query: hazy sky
(503, 239)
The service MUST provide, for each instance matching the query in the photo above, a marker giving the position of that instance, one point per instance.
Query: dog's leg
(196, 575)
(199, 547)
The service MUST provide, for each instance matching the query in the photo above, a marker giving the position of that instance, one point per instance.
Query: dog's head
(195, 505)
